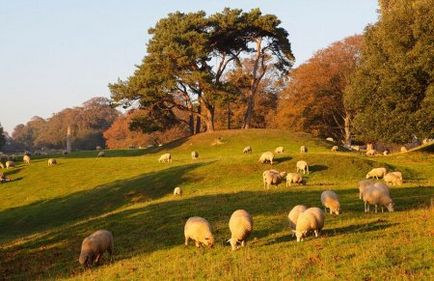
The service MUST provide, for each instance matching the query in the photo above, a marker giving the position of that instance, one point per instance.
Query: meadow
(45, 213)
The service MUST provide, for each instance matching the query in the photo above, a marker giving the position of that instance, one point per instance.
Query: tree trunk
(198, 118)
(229, 115)
(209, 120)
(347, 128)
(249, 112)
(191, 124)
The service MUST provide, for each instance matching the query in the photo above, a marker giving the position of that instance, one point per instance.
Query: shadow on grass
(317, 168)
(283, 159)
(11, 172)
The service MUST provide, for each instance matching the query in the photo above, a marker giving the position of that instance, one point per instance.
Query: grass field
(47, 211)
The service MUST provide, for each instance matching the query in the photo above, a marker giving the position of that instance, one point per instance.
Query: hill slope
(47, 211)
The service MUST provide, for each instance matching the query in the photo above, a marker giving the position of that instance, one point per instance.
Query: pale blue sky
(56, 54)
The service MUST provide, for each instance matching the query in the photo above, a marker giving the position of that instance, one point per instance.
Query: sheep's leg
(197, 244)
(316, 232)
(376, 208)
(97, 258)
(382, 209)
(186, 240)
(243, 243)
(366, 207)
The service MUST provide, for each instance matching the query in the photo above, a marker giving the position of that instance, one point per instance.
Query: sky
(58, 54)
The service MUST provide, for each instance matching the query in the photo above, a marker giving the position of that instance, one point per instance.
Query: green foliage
(392, 91)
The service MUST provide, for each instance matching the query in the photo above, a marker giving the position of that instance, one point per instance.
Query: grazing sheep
(376, 173)
(247, 149)
(272, 177)
(94, 246)
(1, 165)
(303, 149)
(310, 220)
(371, 152)
(335, 148)
(177, 191)
(398, 174)
(52, 162)
(293, 178)
(10, 164)
(267, 157)
(194, 155)
(355, 147)
(279, 150)
(392, 179)
(302, 167)
(26, 159)
(4, 178)
(403, 149)
(376, 195)
(386, 152)
(199, 230)
(166, 157)
(240, 225)
(330, 139)
(293, 216)
(330, 200)
(363, 185)
(101, 154)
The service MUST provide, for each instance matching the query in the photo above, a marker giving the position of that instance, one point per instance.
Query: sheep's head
(283, 175)
(86, 258)
(209, 240)
(390, 206)
(300, 235)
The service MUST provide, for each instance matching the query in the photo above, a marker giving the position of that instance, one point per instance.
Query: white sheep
(330, 200)
(10, 164)
(240, 225)
(247, 149)
(376, 173)
(363, 185)
(335, 148)
(404, 149)
(393, 179)
(272, 177)
(310, 220)
(267, 157)
(26, 159)
(194, 155)
(398, 174)
(302, 167)
(94, 246)
(293, 216)
(177, 191)
(293, 178)
(375, 195)
(199, 230)
(101, 154)
(279, 150)
(166, 157)
(303, 149)
(52, 162)
(371, 152)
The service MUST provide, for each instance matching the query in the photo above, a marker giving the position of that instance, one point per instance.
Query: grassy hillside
(47, 211)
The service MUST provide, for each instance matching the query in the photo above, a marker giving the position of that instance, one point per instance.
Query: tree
(392, 92)
(314, 98)
(2, 137)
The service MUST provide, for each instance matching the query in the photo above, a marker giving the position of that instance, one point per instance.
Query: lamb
(303, 149)
(311, 219)
(293, 178)
(199, 230)
(10, 164)
(101, 154)
(393, 179)
(267, 157)
(240, 225)
(335, 148)
(52, 162)
(247, 149)
(371, 152)
(377, 195)
(194, 155)
(279, 150)
(272, 177)
(330, 200)
(167, 157)
(302, 167)
(177, 191)
(403, 149)
(94, 246)
(26, 159)
(376, 173)
(294, 214)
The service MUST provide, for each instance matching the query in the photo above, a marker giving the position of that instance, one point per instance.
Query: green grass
(47, 211)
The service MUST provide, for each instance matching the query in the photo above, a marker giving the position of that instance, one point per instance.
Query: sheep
(1, 165)
(10, 164)
(403, 149)
(4, 178)
(194, 155)
(377, 195)
(26, 159)
(371, 152)
(376, 173)
(272, 177)
(240, 225)
(166, 157)
(177, 191)
(302, 167)
(311, 219)
(279, 150)
(293, 216)
(398, 174)
(363, 185)
(293, 178)
(199, 230)
(335, 148)
(94, 246)
(330, 139)
(303, 149)
(101, 154)
(386, 152)
(52, 162)
(98, 147)
(267, 157)
(330, 200)
(392, 179)
(355, 147)
(247, 149)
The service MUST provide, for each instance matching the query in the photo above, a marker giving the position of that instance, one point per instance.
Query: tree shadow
(317, 168)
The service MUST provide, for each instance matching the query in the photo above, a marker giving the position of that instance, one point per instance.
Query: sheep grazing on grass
(199, 230)
(404, 149)
(94, 246)
(101, 154)
(302, 167)
(376, 173)
(293, 178)
(240, 225)
(303, 149)
(279, 150)
(267, 157)
(177, 191)
(371, 152)
(247, 149)
(26, 159)
(363, 185)
(377, 195)
(272, 177)
(398, 174)
(393, 179)
(330, 139)
(10, 164)
(293, 216)
(52, 162)
(194, 155)
(330, 200)
(166, 157)
(335, 148)
(310, 220)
